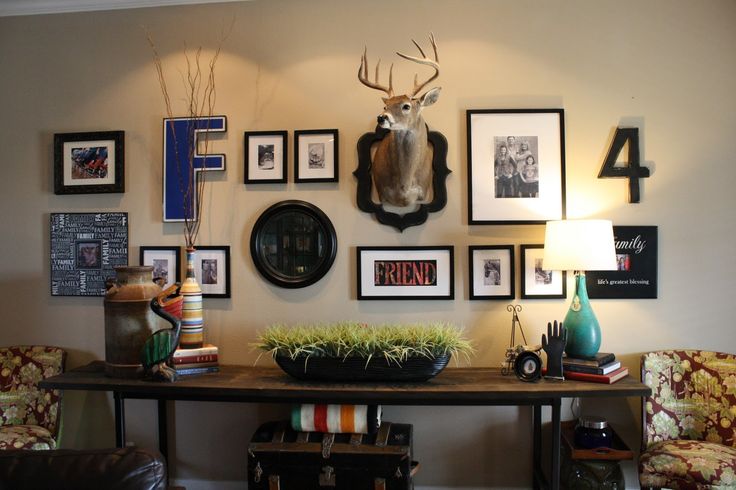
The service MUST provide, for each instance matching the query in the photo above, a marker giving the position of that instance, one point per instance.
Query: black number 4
(632, 170)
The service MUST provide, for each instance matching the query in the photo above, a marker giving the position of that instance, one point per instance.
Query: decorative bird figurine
(160, 346)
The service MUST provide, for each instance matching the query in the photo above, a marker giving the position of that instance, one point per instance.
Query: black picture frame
(438, 258)
(553, 286)
(151, 254)
(258, 145)
(85, 249)
(293, 244)
(316, 155)
(216, 259)
(89, 162)
(365, 182)
(636, 256)
(497, 200)
(491, 272)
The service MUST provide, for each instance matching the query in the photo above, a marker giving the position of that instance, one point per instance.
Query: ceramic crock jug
(129, 320)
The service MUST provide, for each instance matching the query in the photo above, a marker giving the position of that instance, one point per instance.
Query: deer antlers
(424, 60)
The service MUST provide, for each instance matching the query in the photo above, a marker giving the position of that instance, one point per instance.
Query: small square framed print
(315, 155)
(265, 157)
(89, 163)
(397, 273)
(165, 262)
(491, 272)
(212, 270)
(537, 283)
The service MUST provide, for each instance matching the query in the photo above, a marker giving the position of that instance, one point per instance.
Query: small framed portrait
(491, 272)
(516, 166)
(89, 163)
(165, 262)
(397, 273)
(536, 282)
(85, 249)
(212, 270)
(315, 155)
(265, 157)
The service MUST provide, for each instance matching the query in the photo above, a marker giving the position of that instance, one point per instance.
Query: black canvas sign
(85, 249)
(636, 274)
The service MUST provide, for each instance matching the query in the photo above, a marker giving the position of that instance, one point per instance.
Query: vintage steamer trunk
(281, 459)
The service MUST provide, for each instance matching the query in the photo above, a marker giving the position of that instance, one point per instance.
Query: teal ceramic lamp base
(583, 330)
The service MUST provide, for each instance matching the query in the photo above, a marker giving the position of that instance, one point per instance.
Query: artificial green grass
(393, 342)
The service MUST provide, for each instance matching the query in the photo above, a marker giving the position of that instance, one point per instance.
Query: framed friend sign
(397, 273)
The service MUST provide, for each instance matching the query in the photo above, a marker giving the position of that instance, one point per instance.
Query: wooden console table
(454, 386)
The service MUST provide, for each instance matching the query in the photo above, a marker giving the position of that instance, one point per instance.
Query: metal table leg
(163, 433)
(555, 446)
(119, 401)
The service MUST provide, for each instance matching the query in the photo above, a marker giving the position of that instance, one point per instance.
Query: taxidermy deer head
(402, 164)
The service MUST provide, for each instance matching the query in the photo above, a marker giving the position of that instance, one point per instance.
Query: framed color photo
(165, 262)
(212, 270)
(491, 271)
(89, 163)
(636, 259)
(265, 157)
(537, 283)
(315, 155)
(85, 249)
(397, 273)
(516, 166)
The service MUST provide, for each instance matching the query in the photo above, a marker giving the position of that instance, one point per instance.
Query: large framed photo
(491, 271)
(516, 166)
(265, 157)
(636, 259)
(165, 262)
(89, 163)
(537, 283)
(402, 273)
(85, 249)
(212, 270)
(316, 155)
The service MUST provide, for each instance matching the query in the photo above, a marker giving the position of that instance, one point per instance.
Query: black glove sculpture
(554, 348)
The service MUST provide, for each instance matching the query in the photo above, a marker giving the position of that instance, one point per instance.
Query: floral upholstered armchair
(689, 421)
(29, 416)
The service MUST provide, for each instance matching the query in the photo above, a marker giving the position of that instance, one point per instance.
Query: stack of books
(196, 361)
(602, 368)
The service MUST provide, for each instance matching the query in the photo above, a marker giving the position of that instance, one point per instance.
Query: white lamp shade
(579, 245)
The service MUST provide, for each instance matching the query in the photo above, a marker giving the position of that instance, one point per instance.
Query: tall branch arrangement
(199, 98)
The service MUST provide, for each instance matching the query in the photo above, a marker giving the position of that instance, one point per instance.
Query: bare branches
(199, 98)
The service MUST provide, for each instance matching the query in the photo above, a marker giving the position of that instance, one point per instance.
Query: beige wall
(666, 67)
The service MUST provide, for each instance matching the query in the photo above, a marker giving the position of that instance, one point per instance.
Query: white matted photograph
(265, 157)
(516, 166)
(89, 163)
(212, 270)
(165, 262)
(316, 155)
(491, 272)
(536, 282)
(397, 273)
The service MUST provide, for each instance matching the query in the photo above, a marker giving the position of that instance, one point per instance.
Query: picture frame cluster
(316, 156)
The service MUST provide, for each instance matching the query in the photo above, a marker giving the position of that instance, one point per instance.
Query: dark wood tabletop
(453, 386)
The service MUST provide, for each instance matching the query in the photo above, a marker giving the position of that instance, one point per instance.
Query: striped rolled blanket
(352, 419)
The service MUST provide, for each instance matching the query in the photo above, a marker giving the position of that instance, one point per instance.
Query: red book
(195, 359)
(609, 378)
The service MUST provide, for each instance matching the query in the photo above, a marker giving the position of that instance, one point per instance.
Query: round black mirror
(293, 244)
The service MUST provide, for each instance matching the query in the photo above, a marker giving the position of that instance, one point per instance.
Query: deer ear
(430, 97)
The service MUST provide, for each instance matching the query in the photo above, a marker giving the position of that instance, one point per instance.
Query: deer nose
(381, 119)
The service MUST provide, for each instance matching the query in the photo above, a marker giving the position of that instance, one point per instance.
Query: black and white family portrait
(265, 157)
(209, 271)
(516, 166)
(491, 272)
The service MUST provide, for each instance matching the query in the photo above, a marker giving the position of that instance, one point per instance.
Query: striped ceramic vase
(192, 323)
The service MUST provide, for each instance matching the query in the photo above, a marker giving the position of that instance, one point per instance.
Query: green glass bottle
(583, 330)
